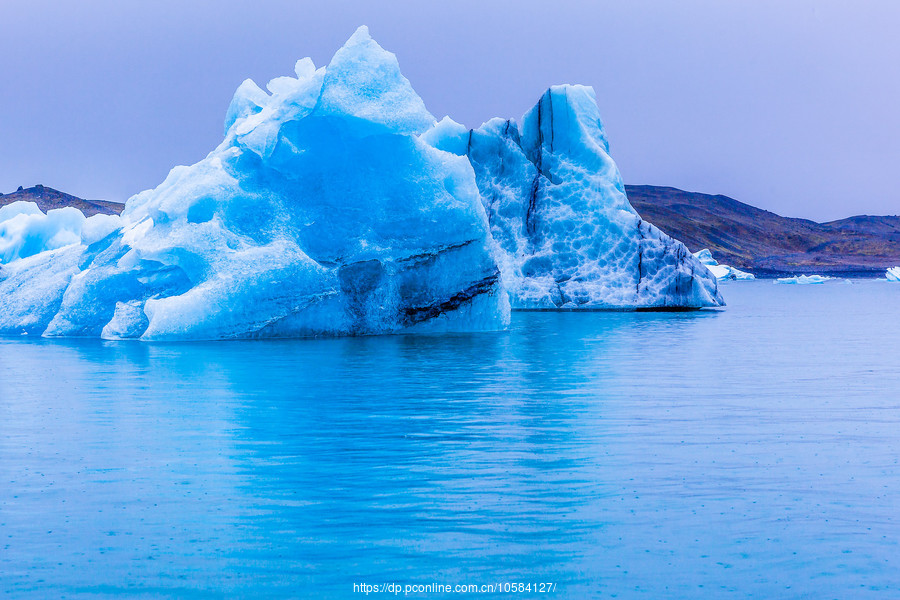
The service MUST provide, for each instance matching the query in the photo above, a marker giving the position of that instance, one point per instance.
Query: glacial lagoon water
(745, 453)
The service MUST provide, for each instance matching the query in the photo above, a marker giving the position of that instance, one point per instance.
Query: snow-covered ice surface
(722, 272)
(321, 213)
(567, 235)
(893, 274)
(804, 279)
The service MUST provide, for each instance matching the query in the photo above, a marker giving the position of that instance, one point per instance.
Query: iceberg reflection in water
(752, 452)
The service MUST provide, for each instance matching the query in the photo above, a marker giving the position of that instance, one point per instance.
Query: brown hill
(767, 244)
(47, 199)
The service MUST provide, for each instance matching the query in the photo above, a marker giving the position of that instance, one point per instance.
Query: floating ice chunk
(319, 214)
(804, 279)
(566, 233)
(706, 257)
(722, 272)
(893, 274)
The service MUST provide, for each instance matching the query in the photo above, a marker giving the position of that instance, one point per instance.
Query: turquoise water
(750, 452)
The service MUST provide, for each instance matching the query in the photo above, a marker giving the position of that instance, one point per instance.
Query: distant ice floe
(893, 274)
(722, 272)
(804, 279)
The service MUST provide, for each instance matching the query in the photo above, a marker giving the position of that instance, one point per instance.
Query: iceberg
(804, 279)
(893, 274)
(706, 257)
(321, 213)
(337, 205)
(722, 272)
(565, 233)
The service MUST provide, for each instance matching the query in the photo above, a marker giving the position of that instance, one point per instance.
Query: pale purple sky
(790, 105)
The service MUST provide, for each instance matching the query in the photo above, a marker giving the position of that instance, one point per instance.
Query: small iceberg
(804, 279)
(893, 274)
(722, 272)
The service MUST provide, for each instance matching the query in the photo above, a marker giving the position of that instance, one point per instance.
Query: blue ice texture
(566, 235)
(337, 205)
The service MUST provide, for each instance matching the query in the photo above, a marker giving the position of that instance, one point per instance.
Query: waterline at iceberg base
(336, 205)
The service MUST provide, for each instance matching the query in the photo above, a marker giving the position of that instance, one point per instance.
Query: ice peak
(363, 80)
(565, 119)
(360, 35)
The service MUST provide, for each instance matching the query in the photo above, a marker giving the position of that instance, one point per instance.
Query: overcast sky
(790, 105)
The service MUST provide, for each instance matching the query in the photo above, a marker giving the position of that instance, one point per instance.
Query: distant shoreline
(48, 198)
(766, 244)
(738, 234)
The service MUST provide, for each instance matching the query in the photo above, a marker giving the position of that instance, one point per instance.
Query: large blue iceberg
(567, 236)
(321, 213)
(336, 205)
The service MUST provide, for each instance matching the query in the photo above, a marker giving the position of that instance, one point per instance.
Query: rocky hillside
(47, 199)
(767, 244)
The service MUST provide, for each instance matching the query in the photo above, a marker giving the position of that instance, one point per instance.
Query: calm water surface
(751, 452)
